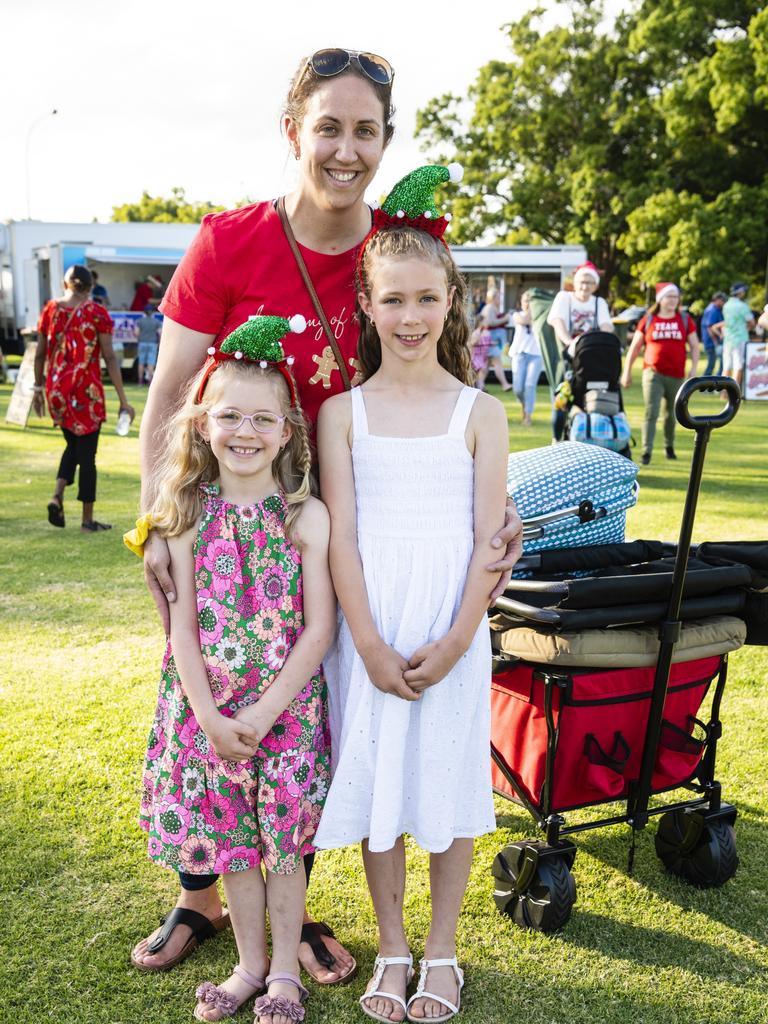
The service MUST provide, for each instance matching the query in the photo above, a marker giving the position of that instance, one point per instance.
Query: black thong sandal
(202, 929)
(56, 512)
(94, 526)
(312, 932)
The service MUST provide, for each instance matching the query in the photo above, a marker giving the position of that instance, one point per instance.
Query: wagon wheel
(535, 891)
(700, 851)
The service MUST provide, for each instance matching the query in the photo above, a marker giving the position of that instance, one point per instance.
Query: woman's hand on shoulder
(491, 450)
(510, 538)
(157, 565)
(180, 574)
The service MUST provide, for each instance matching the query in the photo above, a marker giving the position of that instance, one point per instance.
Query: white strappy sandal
(380, 965)
(422, 993)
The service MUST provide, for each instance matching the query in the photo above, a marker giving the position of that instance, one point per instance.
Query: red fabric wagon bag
(593, 723)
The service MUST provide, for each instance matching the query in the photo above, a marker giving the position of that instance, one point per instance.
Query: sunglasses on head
(330, 62)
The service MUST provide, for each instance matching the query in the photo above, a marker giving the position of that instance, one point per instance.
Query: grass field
(80, 648)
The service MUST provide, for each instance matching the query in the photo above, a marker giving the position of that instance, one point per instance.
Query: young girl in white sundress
(413, 469)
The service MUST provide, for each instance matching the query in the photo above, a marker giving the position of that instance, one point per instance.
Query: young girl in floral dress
(480, 342)
(238, 760)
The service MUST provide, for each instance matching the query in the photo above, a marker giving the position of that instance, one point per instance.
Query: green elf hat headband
(412, 202)
(257, 341)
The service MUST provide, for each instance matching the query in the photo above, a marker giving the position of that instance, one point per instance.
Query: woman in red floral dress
(73, 334)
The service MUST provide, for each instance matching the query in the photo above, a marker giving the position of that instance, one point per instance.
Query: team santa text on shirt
(667, 330)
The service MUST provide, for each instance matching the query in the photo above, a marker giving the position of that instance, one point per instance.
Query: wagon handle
(669, 629)
(695, 384)
(542, 616)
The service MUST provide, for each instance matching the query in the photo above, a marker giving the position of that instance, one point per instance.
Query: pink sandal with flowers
(266, 1006)
(225, 1003)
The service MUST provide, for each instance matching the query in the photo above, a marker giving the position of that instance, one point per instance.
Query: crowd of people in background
(669, 339)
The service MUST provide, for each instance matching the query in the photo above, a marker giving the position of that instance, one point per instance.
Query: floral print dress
(73, 383)
(204, 814)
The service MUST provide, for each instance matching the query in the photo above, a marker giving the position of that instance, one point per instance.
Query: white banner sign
(756, 371)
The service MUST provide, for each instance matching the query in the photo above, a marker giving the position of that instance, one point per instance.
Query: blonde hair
(452, 348)
(187, 460)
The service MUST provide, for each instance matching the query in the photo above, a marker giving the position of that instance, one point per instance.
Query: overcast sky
(183, 92)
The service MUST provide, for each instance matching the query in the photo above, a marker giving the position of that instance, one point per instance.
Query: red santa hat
(666, 288)
(588, 268)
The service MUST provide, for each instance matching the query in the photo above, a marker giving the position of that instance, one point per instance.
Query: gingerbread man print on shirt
(326, 364)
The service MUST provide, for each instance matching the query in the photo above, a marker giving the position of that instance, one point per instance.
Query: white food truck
(34, 256)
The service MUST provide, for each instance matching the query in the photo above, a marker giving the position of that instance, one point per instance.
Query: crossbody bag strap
(65, 328)
(312, 293)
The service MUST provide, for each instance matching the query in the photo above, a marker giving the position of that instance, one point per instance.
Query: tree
(175, 209)
(642, 141)
(706, 229)
(560, 142)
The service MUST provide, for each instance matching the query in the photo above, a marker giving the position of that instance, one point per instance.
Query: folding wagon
(603, 658)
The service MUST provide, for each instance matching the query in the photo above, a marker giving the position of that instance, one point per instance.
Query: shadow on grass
(637, 944)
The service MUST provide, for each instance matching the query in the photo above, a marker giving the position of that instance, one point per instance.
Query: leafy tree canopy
(645, 141)
(173, 209)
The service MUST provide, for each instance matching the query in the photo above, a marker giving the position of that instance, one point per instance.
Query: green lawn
(80, 651)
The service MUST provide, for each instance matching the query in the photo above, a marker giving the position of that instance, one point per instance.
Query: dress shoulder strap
(461, 411)
(359, 416)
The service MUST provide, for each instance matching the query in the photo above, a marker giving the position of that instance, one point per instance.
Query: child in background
(413, 469)
(525, 353)
(238, 757)
(479, 345)
(497, 323)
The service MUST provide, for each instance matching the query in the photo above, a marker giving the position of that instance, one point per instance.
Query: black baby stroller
(597, 415)
(596, 696)
(586, 381)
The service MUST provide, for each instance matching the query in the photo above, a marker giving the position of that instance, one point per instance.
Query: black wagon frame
(695, 838)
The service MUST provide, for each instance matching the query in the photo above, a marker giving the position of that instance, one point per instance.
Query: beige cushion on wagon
(625, 647)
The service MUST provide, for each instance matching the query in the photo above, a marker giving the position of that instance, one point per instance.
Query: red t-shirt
(240, 264)
(73, 385)
(665, 342)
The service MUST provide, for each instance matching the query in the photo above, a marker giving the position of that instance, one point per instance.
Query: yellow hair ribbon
(135, 539)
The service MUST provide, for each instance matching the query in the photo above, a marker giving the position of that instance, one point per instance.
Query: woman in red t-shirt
(338, 121)
(667, 336)
(73, 334)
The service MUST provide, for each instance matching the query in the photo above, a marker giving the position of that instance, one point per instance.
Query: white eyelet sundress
(401, 766)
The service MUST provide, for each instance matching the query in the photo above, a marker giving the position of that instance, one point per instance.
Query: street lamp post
(33, 125)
